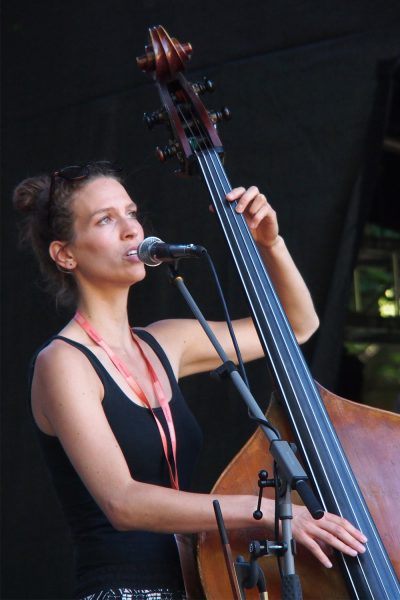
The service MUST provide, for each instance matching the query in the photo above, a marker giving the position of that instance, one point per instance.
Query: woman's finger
(235, 193)
(317, 551)
(341, 535)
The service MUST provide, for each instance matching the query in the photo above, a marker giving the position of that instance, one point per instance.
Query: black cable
(227, 319)
(264, 422)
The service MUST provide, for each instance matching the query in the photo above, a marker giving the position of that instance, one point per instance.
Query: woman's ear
(62, 256)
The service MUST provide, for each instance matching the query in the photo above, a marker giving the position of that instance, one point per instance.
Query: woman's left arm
(189, 349)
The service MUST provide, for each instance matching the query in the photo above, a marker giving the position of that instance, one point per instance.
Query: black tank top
(105, 557)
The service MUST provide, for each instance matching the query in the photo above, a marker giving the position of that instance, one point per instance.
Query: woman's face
(106, 231)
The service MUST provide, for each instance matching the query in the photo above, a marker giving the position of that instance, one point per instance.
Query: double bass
(351, 476)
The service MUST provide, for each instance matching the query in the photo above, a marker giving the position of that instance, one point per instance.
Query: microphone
(153, 251)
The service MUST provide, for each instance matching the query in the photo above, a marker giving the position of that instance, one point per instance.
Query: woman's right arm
(66, 402)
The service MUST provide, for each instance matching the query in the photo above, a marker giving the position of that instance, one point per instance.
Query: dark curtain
(307, 83)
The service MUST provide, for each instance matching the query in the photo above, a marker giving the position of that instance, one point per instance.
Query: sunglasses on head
(79, 172)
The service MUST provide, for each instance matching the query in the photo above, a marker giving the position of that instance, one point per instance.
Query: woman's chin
(139, 275)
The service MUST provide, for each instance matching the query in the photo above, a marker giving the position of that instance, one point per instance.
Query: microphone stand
(290, 472)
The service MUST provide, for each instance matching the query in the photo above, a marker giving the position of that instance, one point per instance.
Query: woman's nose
(129, 227)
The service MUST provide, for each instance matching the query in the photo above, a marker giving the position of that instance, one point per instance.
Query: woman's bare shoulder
(63, 378)
(56, 354)
(63, 367)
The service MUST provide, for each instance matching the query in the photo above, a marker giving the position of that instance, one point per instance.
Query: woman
(116, 433)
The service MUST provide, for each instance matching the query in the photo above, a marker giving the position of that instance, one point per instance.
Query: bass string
(216, 172)
(220, 171)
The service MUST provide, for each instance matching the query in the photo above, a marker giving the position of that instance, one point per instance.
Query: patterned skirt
(129, 594)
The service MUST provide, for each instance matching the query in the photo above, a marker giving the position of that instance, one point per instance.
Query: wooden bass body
(371, 440)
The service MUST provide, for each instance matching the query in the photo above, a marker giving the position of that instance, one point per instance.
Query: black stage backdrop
(307, 83)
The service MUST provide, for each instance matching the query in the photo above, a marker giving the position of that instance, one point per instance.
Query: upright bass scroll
(194, 141)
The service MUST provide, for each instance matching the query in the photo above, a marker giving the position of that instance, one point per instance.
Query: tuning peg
(200, 87)
(146, 62)
(167, 152)
(220, 115)
(155, 118)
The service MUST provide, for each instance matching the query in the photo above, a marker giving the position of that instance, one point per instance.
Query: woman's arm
(188, 347)
(66, 397)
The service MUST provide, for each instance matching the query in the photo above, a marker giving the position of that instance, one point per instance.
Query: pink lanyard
(164, 404)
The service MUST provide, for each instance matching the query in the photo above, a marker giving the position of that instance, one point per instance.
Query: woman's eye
(133, 214)
(104, 220)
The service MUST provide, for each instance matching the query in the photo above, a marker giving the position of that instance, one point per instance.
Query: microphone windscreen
(144, 251)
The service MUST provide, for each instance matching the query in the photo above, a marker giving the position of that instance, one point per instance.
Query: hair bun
(28, 193)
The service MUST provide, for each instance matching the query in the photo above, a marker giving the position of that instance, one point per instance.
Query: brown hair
(39, 228)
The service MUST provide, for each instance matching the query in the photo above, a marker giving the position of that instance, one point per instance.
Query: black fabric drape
(306, 83)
